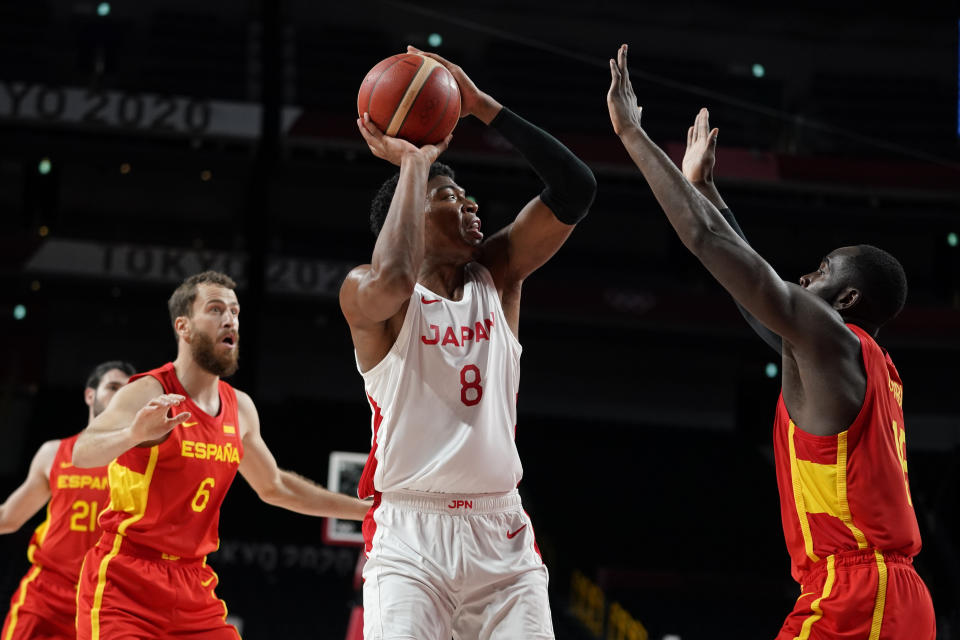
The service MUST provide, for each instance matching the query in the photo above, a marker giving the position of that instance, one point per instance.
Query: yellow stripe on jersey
(229, 428)
(76, 599)
(844, 514)
(129, 491)
(15, 608)
(41, 533)
(881, 596)
(798, 496)
(815, 605)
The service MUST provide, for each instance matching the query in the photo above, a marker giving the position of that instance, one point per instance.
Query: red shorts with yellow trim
(44, 606)
(130, 592)
(862, 594)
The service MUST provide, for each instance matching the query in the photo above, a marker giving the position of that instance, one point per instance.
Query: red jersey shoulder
(63, 475)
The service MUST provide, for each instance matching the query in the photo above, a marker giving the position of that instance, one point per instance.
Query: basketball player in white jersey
(434, 319)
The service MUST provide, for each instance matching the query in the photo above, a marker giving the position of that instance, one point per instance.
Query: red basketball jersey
(77, 496)
(848, 491)
(167, 497)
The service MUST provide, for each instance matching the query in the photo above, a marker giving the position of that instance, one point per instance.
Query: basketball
(411, 96)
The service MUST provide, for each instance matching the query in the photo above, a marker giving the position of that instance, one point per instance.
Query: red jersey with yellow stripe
(76, 498)
(848, 491)
(167, 497)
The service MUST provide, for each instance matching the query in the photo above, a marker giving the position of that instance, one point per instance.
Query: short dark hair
(882, 283)
(93, 380)
(181, 302)
(381, 202)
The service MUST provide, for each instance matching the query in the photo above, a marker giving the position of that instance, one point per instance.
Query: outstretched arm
(30, 496)
(698, 162)
(140, 414)
(283, 488)
(544, 224)
(800, 318)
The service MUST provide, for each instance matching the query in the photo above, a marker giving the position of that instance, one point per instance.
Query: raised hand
(701, 153)
(472, 101)
(621, 100)
(152, 421)
(393, 149)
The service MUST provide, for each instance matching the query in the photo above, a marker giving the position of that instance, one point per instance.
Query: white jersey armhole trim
(483, 274)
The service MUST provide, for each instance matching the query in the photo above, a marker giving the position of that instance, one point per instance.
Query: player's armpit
(27, 499)
(520, 248)
(798, 316)
(369, 298)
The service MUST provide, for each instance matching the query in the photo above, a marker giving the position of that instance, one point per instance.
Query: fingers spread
(180, 417)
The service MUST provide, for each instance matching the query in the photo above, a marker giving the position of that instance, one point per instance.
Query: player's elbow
(700, 239)
(571, 200)
(272, 492)
(695, 239)
(396, 280)
(80, 457)
(6, 524)
(85, 456)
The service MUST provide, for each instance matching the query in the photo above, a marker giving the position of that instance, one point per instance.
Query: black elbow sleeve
(570, 199)
(569, 184)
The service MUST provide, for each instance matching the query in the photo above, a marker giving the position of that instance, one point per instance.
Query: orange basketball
(411, 96)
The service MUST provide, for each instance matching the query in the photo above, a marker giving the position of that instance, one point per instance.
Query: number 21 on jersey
(84, 516)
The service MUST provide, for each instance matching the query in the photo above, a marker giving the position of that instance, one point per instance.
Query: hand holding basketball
(410, 96)
(393, 149)
(472, 101)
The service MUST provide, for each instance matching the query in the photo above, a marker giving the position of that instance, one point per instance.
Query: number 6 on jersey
(202, 496)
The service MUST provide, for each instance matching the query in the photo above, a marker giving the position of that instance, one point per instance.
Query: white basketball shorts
(460, 566)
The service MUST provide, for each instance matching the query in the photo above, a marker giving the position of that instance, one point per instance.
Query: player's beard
(204, 351)
(98, 407)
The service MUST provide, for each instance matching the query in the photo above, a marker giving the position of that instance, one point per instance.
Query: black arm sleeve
(772, 339)
(569, 183)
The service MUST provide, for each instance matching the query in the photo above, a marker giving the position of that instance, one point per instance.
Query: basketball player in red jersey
(45, 605)
(174, 439)
(434, 319)
(839, 436)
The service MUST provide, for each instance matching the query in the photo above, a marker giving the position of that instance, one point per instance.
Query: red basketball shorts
(129, 592)
(862, 594)
(44, 606)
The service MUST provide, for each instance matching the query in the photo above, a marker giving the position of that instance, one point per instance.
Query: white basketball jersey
(444, 399)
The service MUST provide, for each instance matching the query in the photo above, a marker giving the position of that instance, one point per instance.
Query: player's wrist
(631, 131)
(415, 157)
(487, 108)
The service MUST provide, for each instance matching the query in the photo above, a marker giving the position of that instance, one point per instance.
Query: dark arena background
(143, 141)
